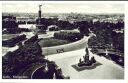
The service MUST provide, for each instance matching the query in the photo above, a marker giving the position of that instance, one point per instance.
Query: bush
(12, 42)
(31, 40)
(53, 29)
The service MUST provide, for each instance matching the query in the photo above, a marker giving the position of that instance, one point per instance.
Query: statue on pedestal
(86, 61)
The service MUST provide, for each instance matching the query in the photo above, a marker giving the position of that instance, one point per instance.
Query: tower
(39, 22)
(39, 13)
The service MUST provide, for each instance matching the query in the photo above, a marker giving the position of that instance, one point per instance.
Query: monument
(39, 22)
(86, 61)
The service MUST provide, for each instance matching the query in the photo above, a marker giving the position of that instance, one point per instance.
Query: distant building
(25, 19)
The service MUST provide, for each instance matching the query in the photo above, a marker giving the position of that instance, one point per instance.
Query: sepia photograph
(57, 40)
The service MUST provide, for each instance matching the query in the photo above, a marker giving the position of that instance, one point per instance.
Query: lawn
(49, 42)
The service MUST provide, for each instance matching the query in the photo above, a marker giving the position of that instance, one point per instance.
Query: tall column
(39, 12)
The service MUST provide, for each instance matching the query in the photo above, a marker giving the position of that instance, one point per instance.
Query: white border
(71, 80)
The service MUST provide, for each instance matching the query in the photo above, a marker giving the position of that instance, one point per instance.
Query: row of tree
(70, 36)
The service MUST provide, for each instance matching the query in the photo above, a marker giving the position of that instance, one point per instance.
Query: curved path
(66, 47)
(29, 70)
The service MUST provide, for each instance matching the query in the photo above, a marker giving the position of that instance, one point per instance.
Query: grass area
(49, 42)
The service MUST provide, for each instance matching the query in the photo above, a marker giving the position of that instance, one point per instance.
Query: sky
(63, 7)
